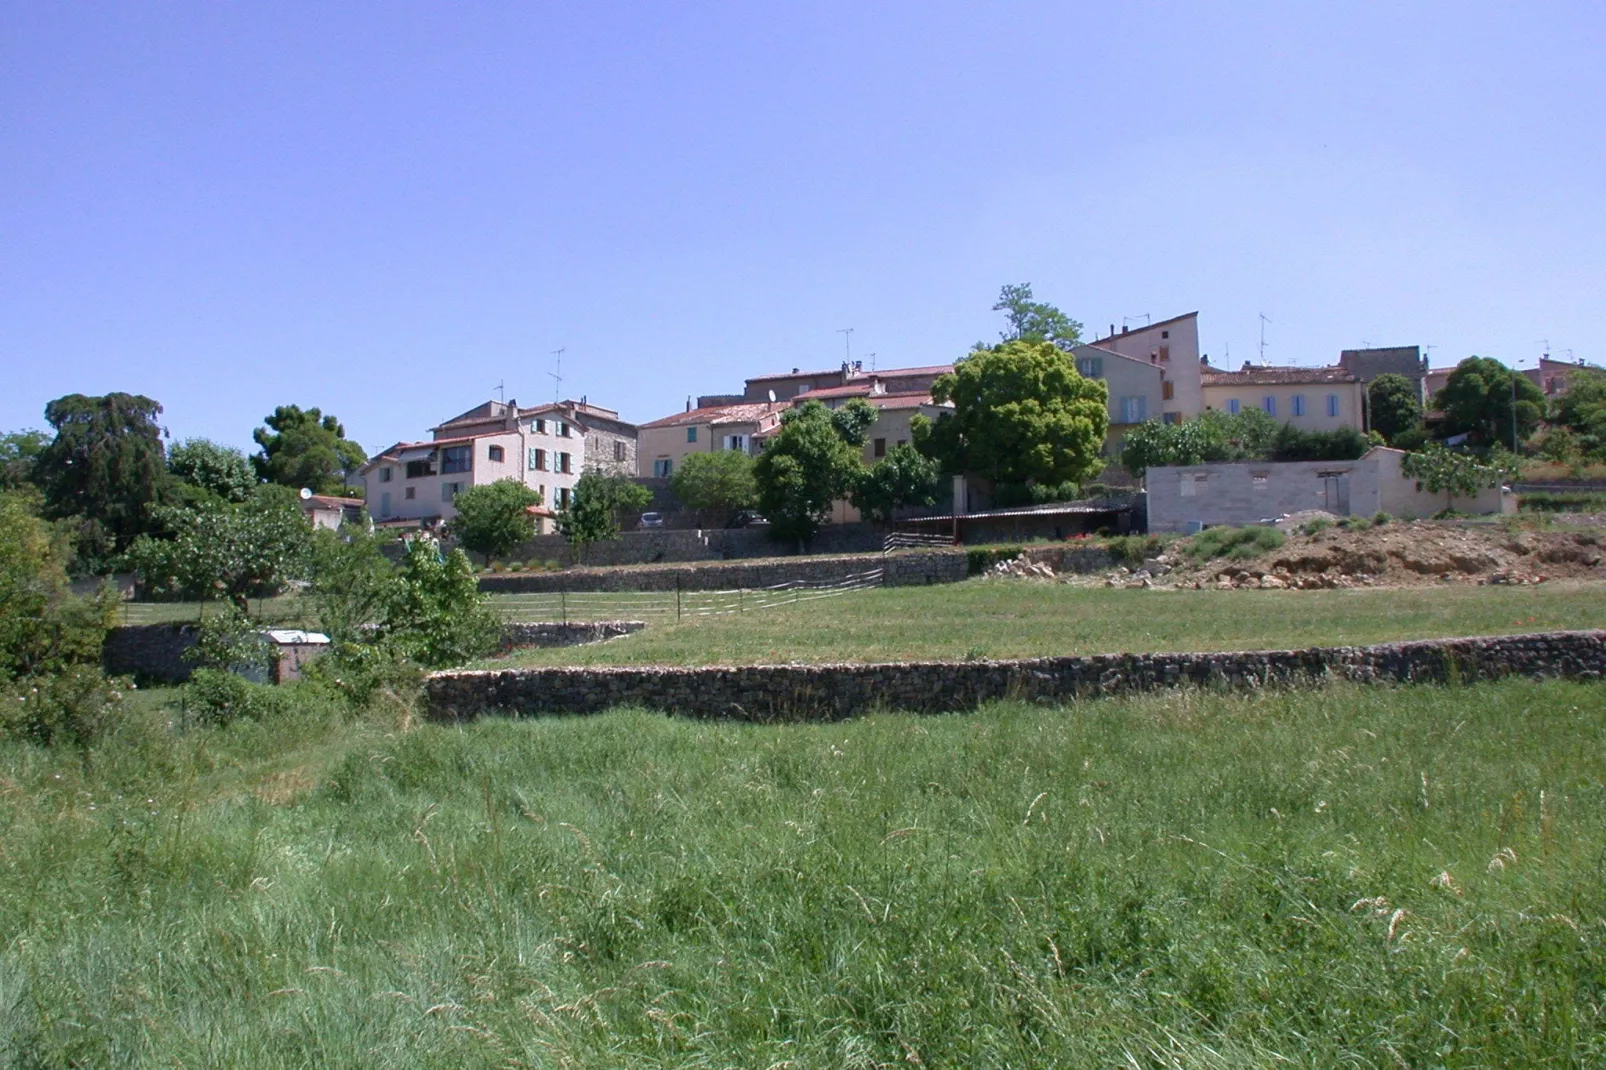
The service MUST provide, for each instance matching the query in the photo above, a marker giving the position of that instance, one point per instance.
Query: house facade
(1368, 364)
(1172, 346)
(663, 445)
(545, 447)
(1137, 389)
(1312, 399)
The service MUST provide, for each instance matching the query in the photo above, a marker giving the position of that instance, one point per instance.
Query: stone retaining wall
(915, 568)
(572, 633)
(828, 692)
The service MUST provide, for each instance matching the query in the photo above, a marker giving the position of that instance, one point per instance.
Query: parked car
(746, 518)
(652, 520)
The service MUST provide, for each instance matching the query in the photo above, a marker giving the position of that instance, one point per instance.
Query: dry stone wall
(917, 568)
(572, 633)
(829, 692)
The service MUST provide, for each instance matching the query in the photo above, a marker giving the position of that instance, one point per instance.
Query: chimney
(1124, 328)
(688, 402)
(1112, 330)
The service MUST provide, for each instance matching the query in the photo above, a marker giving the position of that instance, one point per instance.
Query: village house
(1172, 346)
(546, 447)
(1137, 389)
(1312, 399)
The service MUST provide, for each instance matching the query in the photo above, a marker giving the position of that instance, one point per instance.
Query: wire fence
(908, 540)
(676, 605)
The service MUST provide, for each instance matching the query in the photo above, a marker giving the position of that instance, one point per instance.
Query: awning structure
(416, 453)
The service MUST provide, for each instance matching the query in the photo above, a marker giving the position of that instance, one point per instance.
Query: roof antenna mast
(847, 342)
(1263, 322)
(557, 376)
(501, 393)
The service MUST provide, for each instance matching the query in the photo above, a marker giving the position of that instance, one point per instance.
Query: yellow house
(1312, 399)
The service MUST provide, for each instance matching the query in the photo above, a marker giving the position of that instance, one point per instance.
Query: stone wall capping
(835, 690)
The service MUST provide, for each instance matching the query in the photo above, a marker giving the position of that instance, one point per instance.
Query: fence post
(677, 598)
(741, 600)
(563, 600)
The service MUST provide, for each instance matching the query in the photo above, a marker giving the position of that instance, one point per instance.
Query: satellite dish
(772, 397)
(305, 493)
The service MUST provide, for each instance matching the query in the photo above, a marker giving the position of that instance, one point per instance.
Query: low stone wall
(829, 692)
(572, 633)
(673, 545)
(149, 651)
(917, 568)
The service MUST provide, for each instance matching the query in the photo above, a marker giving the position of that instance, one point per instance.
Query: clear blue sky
(383, 209)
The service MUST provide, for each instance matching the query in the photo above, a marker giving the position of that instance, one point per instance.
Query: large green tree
(106, 469)
(1483, 396)
(905, 476)
(1582, 412)
(1458, 474)
(1251, 435)
(225, 550)
(813, 460)
(492, 518)
(597, 511)
(204, 468)
(717, 485)
(1035, 321)
(1395, 403)
(43, 628)
(305, 448)
(18, 452)
(1022, 416)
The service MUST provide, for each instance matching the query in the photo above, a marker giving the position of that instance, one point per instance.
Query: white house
(546, 447)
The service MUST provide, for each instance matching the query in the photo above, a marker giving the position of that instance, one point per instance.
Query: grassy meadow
(1016, 618)
(1339, 877)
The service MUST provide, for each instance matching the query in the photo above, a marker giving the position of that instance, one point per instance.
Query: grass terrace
(1009, 619)
(1340, 877)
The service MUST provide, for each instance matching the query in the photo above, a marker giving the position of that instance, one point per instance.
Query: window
(1332, 404)
(1168, 390)
(1299, 404)
(736, 442)
(1190, 484)
(1165, 334)
(495, 453)
(691, 434)
(538, 427)
(457, 459)
(618, 450)
(560, 428)
(1090, 367)
(385, 474)
(1165, 354)
(1232, 406)
(1269, 403)
(450, 491)
(1134, 409)
(420, 469)
(880, 447)
(662, 467)
(563, 463)
(903, 442)
(537, 460)
(565, 495)
(410, 493)
(1260, 480)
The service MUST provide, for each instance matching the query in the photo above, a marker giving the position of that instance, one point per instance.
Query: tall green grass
(1342, 877)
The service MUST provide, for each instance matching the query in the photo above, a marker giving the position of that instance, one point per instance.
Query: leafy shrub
(1315, 524)
(979, 559)
(1133, 550)
(1355, 523)
(1380, 518)
(216, 697)
(76, 705)
(1235, 544)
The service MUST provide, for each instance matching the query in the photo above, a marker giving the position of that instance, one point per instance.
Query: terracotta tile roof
(792, 375)
(901, 401)
(744, 413)
(1278, 376)
(903, 373)
(329, 501)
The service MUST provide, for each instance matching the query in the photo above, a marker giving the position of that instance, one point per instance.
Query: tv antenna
(872, 361)
(557, 376)
(847, 343)
(1147, 319)
(501, 393)
(1263, 322)
(1546, 343)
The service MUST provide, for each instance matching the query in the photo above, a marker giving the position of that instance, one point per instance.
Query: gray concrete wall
(1238, 494)
(830, 692)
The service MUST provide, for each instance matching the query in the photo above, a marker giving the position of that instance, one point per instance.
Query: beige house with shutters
(545, 447)
(1312, 399)
(1172, 346)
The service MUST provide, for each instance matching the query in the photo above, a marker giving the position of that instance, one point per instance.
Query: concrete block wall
(829, 692)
